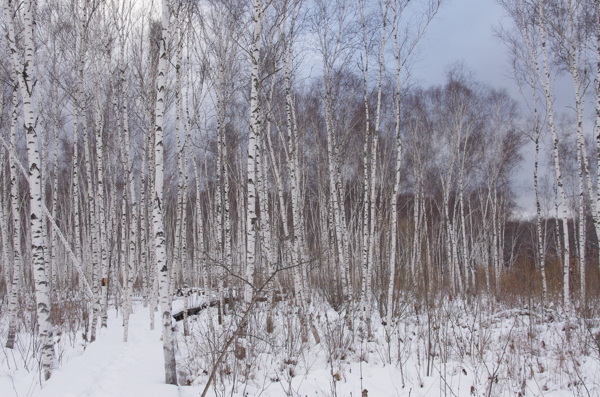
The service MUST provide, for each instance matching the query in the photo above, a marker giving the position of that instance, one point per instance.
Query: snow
(447, 352)
(196, 298)
(108, 366)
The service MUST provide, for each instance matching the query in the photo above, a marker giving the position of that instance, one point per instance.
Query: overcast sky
(463, 31)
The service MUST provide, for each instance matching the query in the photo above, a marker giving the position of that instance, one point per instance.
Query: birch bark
(547, 87)
(597, 123)
(15, 283)
(374, 150)
(254, 133)
(26, 72)
(158, 206)
(397, 172)
(293, 162)
(103, 245)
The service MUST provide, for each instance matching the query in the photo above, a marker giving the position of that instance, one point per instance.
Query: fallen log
(178, 316)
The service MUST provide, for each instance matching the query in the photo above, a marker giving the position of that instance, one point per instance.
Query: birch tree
(405, 42)
(158, 203)
(522, 44)
(538, 30)
(253, 139)
(23, 63)
(548, 90)
(569, 34)
(331, 22)
(15, 282)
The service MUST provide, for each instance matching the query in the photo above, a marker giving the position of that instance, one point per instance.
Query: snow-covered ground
(107, 367)
(449, 350)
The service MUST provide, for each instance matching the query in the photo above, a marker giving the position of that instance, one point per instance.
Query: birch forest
(266, 182)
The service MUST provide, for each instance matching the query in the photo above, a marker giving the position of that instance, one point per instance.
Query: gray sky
(463, 31)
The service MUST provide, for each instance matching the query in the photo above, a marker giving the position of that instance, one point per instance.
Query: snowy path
(111, 368)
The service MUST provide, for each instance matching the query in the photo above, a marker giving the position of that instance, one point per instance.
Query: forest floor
(445, 351)
(107, 367)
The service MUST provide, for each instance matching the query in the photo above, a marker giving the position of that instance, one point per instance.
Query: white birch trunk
(534, 75)
(416, 226)
(158, 207)
(463, 223)
(547, 87)
(103, 245)
(397, 174)
(267, 246)
(43, 146)
(217, 252)
(582, 227)
(15, 282)
(597, 123)
(254, 133)
(184, 238)
(6, 248)
(574, 61)
(366, 208)
(94, 231)
(446, 183)
(133, 221)
(227, 236)
(294, 171)
(57, 274)
(266, 243)
(336, 214)
(25, 70)
(176, 268)
(538, 221)
(373, 177)
(199, 257)
(145, 259)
